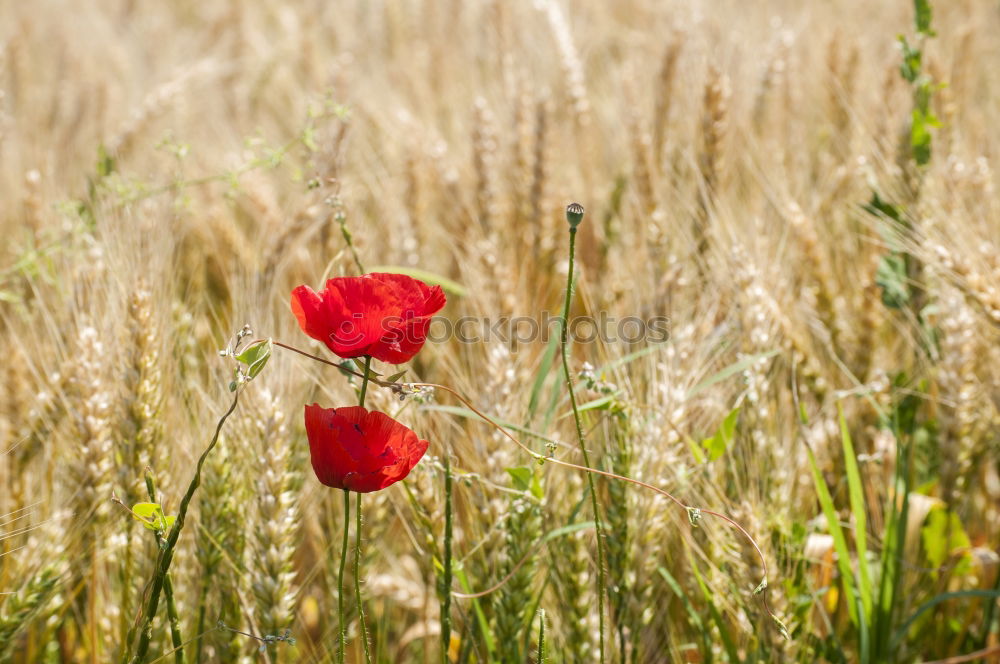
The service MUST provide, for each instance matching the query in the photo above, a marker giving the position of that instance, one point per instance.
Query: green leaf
(396, 376)
(922, 17)
(943, 535)
(717, 445)
(566, 530)
(151, 516)
(146, 510)
(520, 477)
(920, 135)
(911, 65)
(731, 370)
(696, 451)
(891, 278)
(449, 286)
(105, 162)
(360, 364)
(255, 356)
(536, 486)
(879, 208)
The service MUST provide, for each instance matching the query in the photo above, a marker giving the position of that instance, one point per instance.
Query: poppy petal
(307, 305)
(359, 450)
(330, 460)
(416, 298)
(400, 345)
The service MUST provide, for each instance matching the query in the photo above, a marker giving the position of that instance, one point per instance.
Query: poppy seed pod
(574, 214)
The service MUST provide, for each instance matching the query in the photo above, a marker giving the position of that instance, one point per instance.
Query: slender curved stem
(446, 576)
(340, 577)
(541, 458)
(364, 380)
(357, 538)
(168, 585)
(357, 584)
(540, 659)
(166, 554)
(564, 337)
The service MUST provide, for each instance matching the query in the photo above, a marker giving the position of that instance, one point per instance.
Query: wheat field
(805, 191)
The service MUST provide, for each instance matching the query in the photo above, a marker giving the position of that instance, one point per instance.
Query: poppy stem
(340, 577)
(357, 535)
(694, 513)
(166, 553)
(564, 337)
(364, 380)
(168, 585)
(446, 575)
(357, 584)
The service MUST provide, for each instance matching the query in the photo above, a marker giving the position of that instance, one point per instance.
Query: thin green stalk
(166, 554)
(340, 577)
(541, 637)
(168, 586)
(341, 220)
(989, 613)
(446, 577)
(364, 380)
(357, 537)
(202, 598)
(126, 597)
(175, 621)
(564, 336)
(357, 584)
(22, 607)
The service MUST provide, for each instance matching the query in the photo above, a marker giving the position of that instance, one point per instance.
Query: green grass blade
(627, 359)
(727, 639)
(465, 412)
(543, 374)
(560, 399)
(839, 541)
(595, 404)
(554, 401)
(566, 530)
(484, 624)
(857, 498)
(894, 538)
(900, 633)
(693, 616)
(731, 370)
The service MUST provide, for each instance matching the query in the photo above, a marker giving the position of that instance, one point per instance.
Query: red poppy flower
(379, 314)
(359, 450)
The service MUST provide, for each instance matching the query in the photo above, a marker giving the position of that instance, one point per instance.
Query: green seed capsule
(574, 214)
